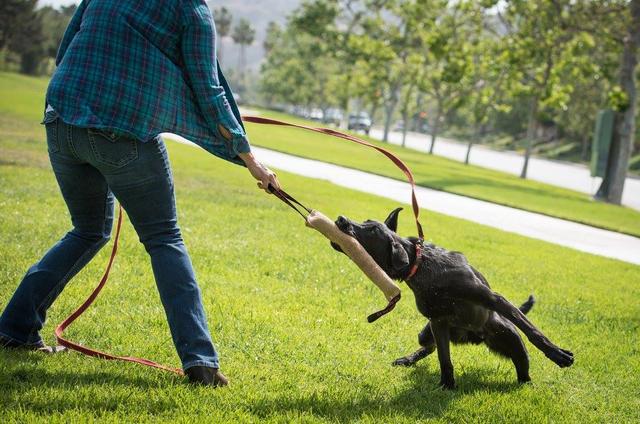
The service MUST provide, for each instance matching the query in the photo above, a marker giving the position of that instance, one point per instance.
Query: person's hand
(260, 172)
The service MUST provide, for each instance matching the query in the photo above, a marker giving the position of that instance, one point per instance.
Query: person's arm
(264, 175)
(72, 29)
(199, 60)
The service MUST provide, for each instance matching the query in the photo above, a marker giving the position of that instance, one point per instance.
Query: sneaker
(40, 347)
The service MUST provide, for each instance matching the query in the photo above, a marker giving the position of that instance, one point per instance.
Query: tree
(334, 24)
(448, 58)
(243, 34)
(54, 24)
(15, 14)
(624, 99)
(222, 18)
(273, 33)
(298, 71)
(487, 82)
(28, 40)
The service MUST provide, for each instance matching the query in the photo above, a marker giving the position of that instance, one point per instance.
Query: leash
(328, 131)
(280, 194)
(59, 331)
(396, 160)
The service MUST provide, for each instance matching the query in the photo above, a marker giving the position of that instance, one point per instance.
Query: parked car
(333, 116)
(360, 122)
(315, 114)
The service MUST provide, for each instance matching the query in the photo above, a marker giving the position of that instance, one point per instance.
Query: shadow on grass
(420, 399)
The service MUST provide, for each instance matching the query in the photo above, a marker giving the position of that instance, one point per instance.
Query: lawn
(447, 175)
(288, 313)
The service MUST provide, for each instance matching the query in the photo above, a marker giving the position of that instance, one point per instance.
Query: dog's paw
(563, 358)
(403, 362)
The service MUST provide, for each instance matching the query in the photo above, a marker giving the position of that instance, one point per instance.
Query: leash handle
(392, 304)
(59, 331)
(286, 198)
(328, 131)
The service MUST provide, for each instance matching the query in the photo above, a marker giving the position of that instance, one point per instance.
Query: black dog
(456, 299)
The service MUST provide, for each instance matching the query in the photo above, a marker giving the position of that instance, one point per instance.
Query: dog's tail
(526, 306)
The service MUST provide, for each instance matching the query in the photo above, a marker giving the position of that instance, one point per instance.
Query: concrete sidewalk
(565, 233)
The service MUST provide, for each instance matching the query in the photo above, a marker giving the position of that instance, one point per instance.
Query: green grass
(288, 313)
(448, 175)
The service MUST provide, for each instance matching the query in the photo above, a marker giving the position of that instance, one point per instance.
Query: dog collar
(417, 262)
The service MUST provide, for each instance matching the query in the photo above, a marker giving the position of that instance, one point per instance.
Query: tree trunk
(584, 153)
(434, 129)
(390, 107)
(476, 134)
(612, 185)
(405, 124)
(531, 134)
(345, 103)
(417, 124)
(220, 49)
(372, 112)
(241, 62)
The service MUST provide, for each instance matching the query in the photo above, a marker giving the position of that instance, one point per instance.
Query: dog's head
(379, 240)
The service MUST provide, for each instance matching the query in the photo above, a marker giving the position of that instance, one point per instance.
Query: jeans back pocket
(50, 123)
(112, 149)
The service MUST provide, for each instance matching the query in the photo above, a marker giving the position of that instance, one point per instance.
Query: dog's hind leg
(502, 337)
(428, 346)
(481, 294)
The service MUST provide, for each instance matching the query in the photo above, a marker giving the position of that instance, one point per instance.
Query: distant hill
(259, 13)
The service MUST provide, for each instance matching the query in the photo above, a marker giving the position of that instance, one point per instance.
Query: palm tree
(223, 18)
(244, 35)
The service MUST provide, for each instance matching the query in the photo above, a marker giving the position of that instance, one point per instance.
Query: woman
(128, 71)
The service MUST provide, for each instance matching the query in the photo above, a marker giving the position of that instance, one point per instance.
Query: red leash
(257, 120)
(92, 297)
(328, 131)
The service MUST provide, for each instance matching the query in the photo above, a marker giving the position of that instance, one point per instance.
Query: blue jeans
(92, 166)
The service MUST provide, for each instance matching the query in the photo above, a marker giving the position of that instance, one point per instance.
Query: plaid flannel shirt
(143, 67)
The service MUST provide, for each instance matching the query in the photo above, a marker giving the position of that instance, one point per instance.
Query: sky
(56, 3)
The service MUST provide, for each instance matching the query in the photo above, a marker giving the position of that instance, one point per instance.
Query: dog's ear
(399, 256)
(392, 220)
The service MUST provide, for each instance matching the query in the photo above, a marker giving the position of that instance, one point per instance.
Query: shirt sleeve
(72, 29)
(199, 59)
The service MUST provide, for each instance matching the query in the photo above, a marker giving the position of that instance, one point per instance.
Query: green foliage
(243, 33)
(498, 66)
(33, 34)
(618, 99)
(223, 19)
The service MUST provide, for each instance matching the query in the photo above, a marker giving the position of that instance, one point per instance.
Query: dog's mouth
(345, 226)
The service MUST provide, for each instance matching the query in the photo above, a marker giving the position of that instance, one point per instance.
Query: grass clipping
(357, 254)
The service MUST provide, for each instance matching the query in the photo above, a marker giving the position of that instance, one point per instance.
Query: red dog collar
(417, 262)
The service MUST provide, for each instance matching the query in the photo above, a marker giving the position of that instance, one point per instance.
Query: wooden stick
(356, 253)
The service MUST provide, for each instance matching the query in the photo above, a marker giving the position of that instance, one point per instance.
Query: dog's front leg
(425, 338)
(440, 330)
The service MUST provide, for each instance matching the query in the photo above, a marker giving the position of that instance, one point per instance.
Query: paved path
(573, 176)
(554, 230)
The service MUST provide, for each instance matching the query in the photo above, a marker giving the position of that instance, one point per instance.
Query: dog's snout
(342, 220)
